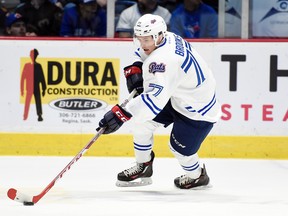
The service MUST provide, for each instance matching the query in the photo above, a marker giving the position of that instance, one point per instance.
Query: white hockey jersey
(175, 71)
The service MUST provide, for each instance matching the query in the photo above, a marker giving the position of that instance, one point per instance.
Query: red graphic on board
(33, 79)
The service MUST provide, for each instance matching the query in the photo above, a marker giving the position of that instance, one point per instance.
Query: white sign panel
(77, 82)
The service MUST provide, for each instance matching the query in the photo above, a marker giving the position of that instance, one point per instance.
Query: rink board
(121, 145)
(84, 79)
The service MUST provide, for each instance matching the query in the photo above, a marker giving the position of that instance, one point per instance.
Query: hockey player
(175, 86)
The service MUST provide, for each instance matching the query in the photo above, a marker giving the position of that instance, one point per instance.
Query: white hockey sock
(190, 164)
(142, 152)
(143, 140)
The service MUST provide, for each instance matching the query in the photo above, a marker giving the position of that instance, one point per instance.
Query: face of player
(17, 29)
(147, 43)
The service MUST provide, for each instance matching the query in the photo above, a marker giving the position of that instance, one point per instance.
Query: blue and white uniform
(175, 71)
(179, 89)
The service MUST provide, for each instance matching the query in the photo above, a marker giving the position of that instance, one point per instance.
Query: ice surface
(241, 187)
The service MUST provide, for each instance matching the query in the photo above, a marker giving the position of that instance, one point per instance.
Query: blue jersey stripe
(199, 71)
(190, 109)
(188, 46)
(149, 103)
(137, 52)
(209, 108)
(190, 61)
(206, 108)
(187, 64)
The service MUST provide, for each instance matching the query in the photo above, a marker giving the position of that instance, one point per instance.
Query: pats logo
(154, 67)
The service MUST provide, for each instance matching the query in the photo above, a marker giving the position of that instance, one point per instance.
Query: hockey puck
(26, 203)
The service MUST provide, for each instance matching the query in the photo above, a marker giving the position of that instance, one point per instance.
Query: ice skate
(185, 182)
(138, 175)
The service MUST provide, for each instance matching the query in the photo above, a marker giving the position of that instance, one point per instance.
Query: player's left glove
(114, 119)
(134, 79)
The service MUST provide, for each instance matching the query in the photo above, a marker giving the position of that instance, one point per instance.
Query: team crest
(154, 67)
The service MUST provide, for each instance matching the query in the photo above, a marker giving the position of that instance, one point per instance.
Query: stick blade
(14, 194)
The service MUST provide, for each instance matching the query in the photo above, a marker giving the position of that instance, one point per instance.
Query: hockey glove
(114, 119)
(134, 79)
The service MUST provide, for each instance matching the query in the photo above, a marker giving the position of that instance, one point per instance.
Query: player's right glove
(134, 79)
(114, 119)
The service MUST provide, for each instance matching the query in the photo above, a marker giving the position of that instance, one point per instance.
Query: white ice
(241, 187)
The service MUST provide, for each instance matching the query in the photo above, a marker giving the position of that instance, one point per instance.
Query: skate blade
(135, 183)
(203, 187)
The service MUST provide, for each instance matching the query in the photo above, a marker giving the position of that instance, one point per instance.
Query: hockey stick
(31, 200)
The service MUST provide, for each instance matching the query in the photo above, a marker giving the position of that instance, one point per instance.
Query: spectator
(86, 19)
(42, 16)
(214, 4)
(16, 26)
(9, 4)
(61, 3)
(3, 12)
(130, 15)
(102, 3)
(169, 4)
(194, 19)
